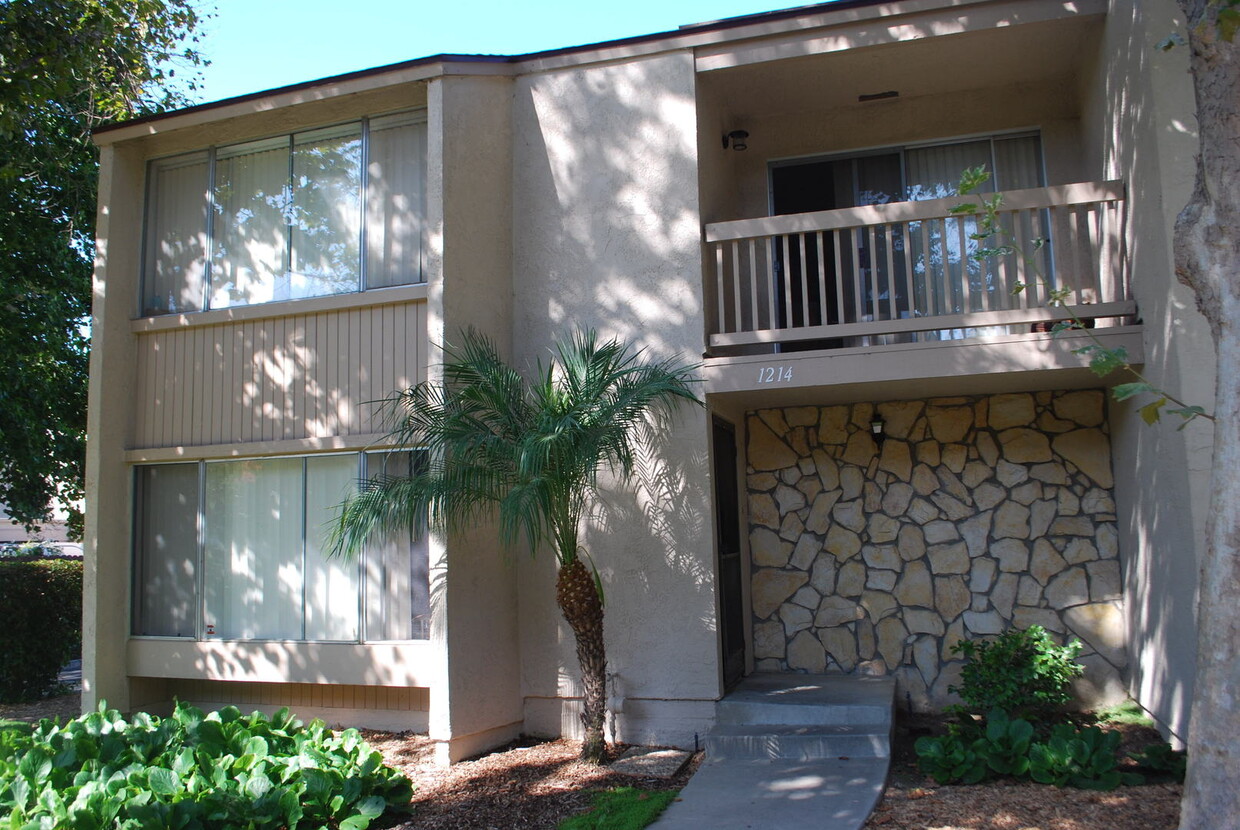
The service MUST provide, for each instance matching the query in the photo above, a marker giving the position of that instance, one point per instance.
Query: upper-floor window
(327, 211)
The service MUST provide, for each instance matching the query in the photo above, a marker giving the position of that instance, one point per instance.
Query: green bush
(1023, 673)
(192, 772)
(1084, 759)
(41, 605)
(1161, 761)
(953, 758)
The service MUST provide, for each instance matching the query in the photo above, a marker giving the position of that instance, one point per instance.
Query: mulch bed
(536, 784)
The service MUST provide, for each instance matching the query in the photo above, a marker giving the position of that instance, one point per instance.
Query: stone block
(1101, 685)
(1080, 550)
(923, 621)
(789, 499)
(882, 556)
(1105, 582)
(926, 658)
(798, 439)
(949, 424)
(767, 451)
(1047, 422)
(940, 531)
(899, 417)
(860, 448)
(1003, 595)
(772, 587)
(1052, 472)
(1045, 617)
(842, 543)
(792, 527)
(827, 469)
(954, 635)
(837, 610)
(1041, 514)
(767, 549)
(852, 479)
(897, 498)
(982, 574)
(1027, 493)
(952, 507)
(982, 623)
(822, 578)
(762, 481)
(941, 694)
(975, 532)
(951, 596)
(883, 528)
(810, 487)
(805, 653)
(911, 542)
(975, 472)
(954, 457)
(1015, 410)
(1101, 625)
(1069, 504)
(1011, 521)
(1046, 562)
(881, 580)
(987, 448)
(1098, 500)
(806, 551)
(896, 459)
(929, 453)
(1106, 537)
(878, 604)
(866, 640)
(850, 514)
(1090, 451)
(872, 497)
(891, 635)
(951, 558)
(922, 511)
(762, 510)
(1011, 554)
(1025, 446)
(840, 644)
(806, 597)
(820, 513)
(988, 495)
(769, 640)
(850, 581)
(1010, 474)
(795, 618)
(1029, 592)
(1072, 526)
(833, 425)
(1085, 407)
(1068, 589)
(915, 587)
(801, 416)
(949, 482)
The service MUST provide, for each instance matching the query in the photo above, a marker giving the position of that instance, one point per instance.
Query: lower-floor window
(237, 550)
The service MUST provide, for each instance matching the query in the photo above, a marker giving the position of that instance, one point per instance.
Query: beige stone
(820, 514)
(1011, 521)
(883, 528)
(1072, 526)
(860, 449)
(1052, 472)
(922, 511)
(1085, 407)
(1068, 588)
(806, 551)
(771, 587)
(1027, 493)
(836, 611)
(911, 543)
(822, 577)
(882, 556)
(850, 580)
(949, 482)
(769, 640)
(983, 622)
(914, 587)
(1101, 685)
(842, 543)
(929, 453)
(1029, 592)
(1024, 617)
(954, 457)
(911, 687)
(926, 658)
(862, 415)
(1041, 514)
(767, 549)
(987, 448)
(1098, 500)
(975, 472)
(810, 487)
(1016, 410)
(806, 466)
(865, 639)
(876, 580)
(1101, 625)
(762, 481)
(953, 507)
(766, 451)
(942, 693)
(1080, 550)
(841, 645)
(851, 481)
(951, 596)
(896, 459)
(833, 425)
(1024, 446)
(1090, 451)
(1010, 474)
(897, 498)
(795, 618)
(975, 531)
(954, 635)
(923, 621)
(1003, 595)
(828, 470)
(1069, 504)
(872, 668)
(940, 531)
(1106, 537)
(1049, 423)
(1105, 582)
(924, 480)
(801, 416)
(850, 514)
(798, 439)
(774, 418)
(878, 604)
(762, 510)
(899, 417)
(1046, 561)
(949, 424)
(805, 653)
(792, 527)
(789, 499)
(872, 496)
(949, 559)
(988, 495)
(982, 574)
(891, 634)
(790, 475)
(806, 597)
(1011, 554)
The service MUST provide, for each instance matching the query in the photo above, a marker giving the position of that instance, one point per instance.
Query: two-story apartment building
(896, 453)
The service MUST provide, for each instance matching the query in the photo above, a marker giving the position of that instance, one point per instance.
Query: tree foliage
(66, 67)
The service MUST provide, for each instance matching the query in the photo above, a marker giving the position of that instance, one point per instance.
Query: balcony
(908, 272)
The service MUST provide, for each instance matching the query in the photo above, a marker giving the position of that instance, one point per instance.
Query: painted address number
(775, 374)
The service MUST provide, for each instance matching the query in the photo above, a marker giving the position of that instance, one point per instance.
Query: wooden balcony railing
(906, 271)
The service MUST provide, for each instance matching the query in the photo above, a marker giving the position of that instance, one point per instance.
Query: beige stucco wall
(1138, 120)
(606, 235)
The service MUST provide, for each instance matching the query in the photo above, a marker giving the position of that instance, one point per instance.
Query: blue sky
(261, 44)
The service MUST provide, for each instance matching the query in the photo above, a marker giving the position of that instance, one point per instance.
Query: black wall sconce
(738, 138)
(876, 429)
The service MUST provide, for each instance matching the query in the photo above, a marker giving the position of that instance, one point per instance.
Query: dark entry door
(728, 543)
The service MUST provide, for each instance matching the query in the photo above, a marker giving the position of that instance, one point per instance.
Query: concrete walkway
(789, 752)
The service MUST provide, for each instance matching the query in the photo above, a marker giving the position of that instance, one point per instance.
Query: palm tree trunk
(579, 600)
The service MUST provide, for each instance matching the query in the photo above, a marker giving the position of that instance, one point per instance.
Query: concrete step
(798, 743)
(809, 700)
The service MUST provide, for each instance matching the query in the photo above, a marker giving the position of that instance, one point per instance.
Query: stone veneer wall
(973, 515)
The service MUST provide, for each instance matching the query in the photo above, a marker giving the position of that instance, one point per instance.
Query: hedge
(41, 628)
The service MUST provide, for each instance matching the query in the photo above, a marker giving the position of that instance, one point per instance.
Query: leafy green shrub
(952, 758)
(1007, 743)
(41, 605)
(623, 808)
(1084, 759)
(192, 772)
(1163, 761)
(1021, 672)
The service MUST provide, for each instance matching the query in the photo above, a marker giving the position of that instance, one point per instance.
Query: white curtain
(176, 241)
(252, 210)
(327, 212)
(331, 583)
(165, 587)
(253, 568)
(395, 201)
(397, 598)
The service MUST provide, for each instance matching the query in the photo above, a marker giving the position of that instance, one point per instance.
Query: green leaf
(1124, 391)
(163, 781)
(1151, 412)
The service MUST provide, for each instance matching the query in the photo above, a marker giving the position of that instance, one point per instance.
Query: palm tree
(529, 450)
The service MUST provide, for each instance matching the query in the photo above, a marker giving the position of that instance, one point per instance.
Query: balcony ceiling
(1035, 53)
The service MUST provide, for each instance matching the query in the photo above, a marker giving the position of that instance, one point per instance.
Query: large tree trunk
(582, 606)
(1207, 251)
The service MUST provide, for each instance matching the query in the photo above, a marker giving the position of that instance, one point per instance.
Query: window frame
(199, 556)
(290, 140)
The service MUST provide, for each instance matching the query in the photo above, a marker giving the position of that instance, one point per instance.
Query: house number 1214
(775, 374)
